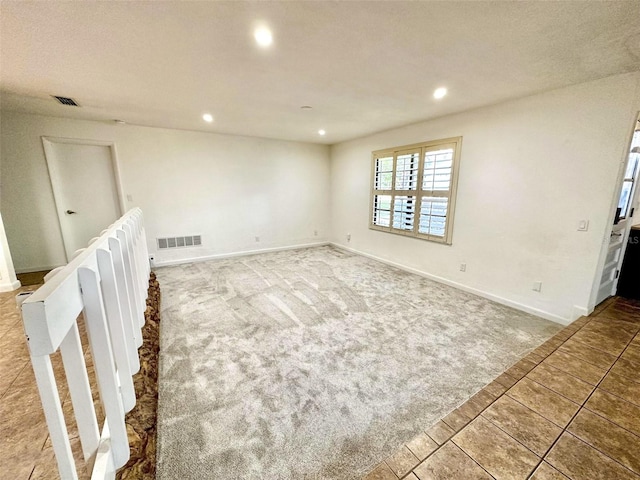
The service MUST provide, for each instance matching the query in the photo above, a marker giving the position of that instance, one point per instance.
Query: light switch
(583, 225)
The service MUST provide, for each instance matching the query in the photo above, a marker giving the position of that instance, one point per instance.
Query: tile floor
(568, 410)
(25, 448)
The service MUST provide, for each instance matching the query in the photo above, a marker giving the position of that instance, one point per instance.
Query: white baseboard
(481, 293)
(37, 269)
(9, 286)
(504, 301)
(579, 311)
(242, 253)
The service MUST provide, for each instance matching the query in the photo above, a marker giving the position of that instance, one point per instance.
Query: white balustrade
(107, 281)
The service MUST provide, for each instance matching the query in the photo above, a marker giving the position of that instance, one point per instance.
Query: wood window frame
(418, 192)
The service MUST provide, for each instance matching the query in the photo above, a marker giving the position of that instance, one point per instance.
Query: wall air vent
(179, 242)
(66, 101)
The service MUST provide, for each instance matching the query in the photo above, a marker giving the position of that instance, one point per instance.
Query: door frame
(612, 213)
(47, 144)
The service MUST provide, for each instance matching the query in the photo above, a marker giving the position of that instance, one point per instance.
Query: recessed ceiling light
(207, 117)
(263, 36)
(321, 132)
(440, 92)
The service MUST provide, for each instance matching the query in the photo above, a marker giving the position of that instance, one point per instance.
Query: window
(413, 189)
(631, 172)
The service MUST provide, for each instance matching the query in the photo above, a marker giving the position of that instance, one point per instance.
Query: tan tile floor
(25, 448)
(568, 410)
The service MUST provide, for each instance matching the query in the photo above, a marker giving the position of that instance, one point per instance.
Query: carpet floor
(316, 363)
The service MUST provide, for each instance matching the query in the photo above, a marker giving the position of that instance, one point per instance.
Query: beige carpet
(316, 363)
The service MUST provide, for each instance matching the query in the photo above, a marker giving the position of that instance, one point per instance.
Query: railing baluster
(54, 416)
(116, 327)
(95, 318)
(131, 229)
(135, 264)
(129, 263)
(141, 259)
(75, 370)
(133, 333)
(145, 248)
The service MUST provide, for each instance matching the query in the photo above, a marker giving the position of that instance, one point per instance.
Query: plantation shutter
(437, 176)
(413, 190)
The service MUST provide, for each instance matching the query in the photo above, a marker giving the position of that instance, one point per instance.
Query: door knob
(70, 212)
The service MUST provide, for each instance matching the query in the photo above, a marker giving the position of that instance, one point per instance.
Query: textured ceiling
(363, 66)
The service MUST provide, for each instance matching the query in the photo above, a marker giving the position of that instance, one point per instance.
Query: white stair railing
(107, 281)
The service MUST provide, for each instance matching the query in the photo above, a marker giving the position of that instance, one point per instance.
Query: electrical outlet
(537, 286)
(463, 267)
(348, 237)
(130, 198)
(257, 239)
(315, 233)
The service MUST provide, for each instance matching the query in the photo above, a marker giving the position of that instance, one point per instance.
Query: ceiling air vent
(66, 101)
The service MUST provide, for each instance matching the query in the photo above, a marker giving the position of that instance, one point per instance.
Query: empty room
(316, 240)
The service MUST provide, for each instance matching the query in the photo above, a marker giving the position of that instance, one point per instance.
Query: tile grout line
(519, 442)
(610, 421)
(564, 429)
(581, 406)
(472, 459)
(14, 380)
(485, 408)
(554, 348)
(11, 327)
(471, 420)
(525, 406)
(450, 438)
(552, 390)
(599, 451)
(582, 360)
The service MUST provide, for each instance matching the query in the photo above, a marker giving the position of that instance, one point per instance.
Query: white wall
(8, 280)
(530, 170)
(228, 188)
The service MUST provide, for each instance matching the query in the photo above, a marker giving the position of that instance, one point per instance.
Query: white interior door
(611, 268)
(627, 195)
(85, 188)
